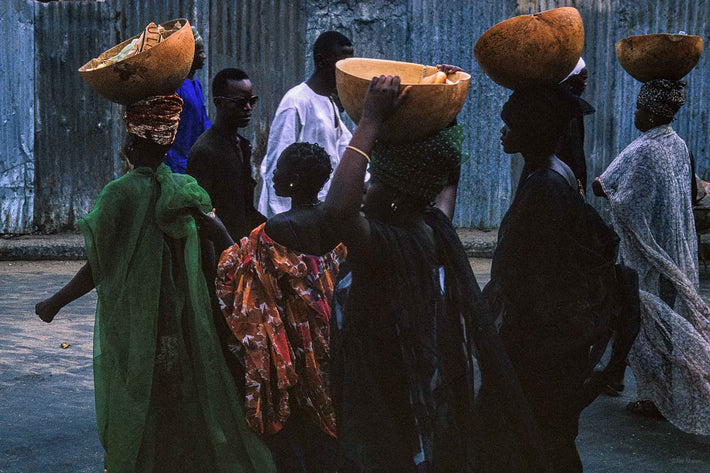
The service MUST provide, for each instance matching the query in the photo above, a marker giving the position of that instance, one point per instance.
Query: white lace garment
(649, 190)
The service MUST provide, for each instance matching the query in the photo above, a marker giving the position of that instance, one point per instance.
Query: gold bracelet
(359, 151)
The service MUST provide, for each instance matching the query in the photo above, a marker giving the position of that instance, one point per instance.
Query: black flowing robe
(538, 280)
(402, 364)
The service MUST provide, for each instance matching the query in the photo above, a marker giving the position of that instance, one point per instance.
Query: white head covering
(577, 69)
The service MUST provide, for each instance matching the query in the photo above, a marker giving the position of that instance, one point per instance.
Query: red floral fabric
(276, 302)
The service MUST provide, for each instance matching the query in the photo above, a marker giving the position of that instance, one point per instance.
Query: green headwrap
(419, 169)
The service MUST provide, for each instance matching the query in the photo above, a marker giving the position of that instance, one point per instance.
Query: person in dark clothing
(402, 358)
(540, 288)
(571, 146)
(220, 160)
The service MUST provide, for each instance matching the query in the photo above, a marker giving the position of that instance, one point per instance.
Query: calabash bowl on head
(532, 50)
(659, 56)
(158, 71)
(429, 108)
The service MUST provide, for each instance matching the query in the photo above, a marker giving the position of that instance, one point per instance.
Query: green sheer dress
(165, 399)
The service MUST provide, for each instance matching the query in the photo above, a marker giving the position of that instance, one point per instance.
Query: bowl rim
(463, 75)
(84, 69)
(651, 35)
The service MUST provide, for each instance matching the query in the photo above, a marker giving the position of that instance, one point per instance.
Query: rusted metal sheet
(16, 116)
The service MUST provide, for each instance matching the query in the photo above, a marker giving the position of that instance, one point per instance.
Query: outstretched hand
(383, 98)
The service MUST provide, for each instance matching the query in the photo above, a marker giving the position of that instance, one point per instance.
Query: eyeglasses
(241, 102)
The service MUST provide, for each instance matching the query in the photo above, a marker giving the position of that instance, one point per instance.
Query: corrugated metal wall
(446, 31)
(431, 31)
(16, 116)
(76, 142)
(613, 92)
(76, 133)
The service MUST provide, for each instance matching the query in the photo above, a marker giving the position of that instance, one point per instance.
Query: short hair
(219, 83)
(327, 42)
(312, 163)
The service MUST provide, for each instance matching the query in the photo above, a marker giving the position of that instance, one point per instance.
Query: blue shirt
(193, 122)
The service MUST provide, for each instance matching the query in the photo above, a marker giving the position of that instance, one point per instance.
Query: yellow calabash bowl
(157, 71)
(659, 56)
(429, 108)
(532, 50)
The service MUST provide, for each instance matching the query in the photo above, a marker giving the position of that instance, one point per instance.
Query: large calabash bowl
(429, 108)
(532, 50)
(158, 71)
(659, 56)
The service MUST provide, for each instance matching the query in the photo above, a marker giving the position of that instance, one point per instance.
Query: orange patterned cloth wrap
(155, 118)
(277, 304)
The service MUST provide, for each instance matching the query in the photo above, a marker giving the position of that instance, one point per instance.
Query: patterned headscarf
(663, 97)
(419, 169)
(155, 118)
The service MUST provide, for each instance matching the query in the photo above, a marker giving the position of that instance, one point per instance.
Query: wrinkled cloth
(156, 118)
(663, 97)
(403, 354)
(548, 322)
(193, 122)
(276, 302)
(419, 169)
(302, 116)
(164, 395)
(571, 146)
(647, 187)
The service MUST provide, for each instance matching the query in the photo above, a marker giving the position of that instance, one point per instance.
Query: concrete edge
(477, 244)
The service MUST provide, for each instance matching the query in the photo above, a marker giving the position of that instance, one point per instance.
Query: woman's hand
(46, 310)
(597, 188)
(211, 227)
(383, 99)
(448, 68)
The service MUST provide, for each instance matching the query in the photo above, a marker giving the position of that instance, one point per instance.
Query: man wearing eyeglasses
(220, 159)
(309, 112)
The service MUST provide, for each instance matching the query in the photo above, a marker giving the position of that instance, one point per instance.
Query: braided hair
(311, 162)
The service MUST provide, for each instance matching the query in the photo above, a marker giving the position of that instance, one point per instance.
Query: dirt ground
(47, 421)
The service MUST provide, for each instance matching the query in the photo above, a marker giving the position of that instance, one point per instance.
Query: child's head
(301, 171)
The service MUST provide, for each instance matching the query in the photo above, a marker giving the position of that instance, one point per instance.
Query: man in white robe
(309, 112)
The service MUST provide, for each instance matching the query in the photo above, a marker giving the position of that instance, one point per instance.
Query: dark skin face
(578, 82)
(235, 113)
(510, 141)
(198, 61)
(323, 79)
(644, 120)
